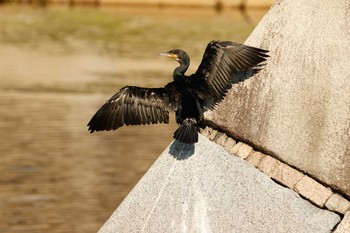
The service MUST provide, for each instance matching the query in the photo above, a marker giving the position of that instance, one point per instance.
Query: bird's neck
(179, 72)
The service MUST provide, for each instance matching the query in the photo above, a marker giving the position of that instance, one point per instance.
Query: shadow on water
(180, 150)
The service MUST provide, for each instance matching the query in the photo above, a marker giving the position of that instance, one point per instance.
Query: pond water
(54, 175)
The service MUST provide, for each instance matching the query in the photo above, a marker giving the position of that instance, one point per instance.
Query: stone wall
(298, 107)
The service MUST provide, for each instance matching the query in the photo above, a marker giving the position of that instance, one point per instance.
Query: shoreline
(217, 5)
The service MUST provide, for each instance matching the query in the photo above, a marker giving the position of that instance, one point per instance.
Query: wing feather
(222, 61)
(132, 106)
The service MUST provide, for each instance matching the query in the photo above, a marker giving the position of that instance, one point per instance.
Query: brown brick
(234, 149)
(209, 132)
(230, 142)
(244, 151)
(269, 165)
(255, 157)
(280, 172)
(206, 131)
(212, 134)
(313, 191)
(221, 139)
(338, 204)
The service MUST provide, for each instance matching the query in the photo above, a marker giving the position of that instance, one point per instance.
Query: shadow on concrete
(180, 150)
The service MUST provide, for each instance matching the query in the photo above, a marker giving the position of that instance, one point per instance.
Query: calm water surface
(54, 175)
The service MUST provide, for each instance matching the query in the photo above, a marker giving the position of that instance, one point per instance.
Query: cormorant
(188, 96)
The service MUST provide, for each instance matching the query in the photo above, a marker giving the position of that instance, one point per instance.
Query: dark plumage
(188, 96)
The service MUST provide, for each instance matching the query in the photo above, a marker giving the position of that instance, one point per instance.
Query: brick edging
(310, 189)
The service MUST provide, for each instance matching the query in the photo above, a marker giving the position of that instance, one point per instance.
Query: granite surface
(213, 191)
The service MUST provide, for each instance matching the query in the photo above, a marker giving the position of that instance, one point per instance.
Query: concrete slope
(298, 108)
(213, 191)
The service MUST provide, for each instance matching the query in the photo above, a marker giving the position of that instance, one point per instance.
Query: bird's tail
(187, 132)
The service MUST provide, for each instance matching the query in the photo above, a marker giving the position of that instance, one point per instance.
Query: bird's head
(178, 55)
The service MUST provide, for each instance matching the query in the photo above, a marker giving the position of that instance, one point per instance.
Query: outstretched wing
(132, 106)
(222, 61)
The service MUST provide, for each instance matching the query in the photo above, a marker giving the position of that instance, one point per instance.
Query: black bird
(187, 96)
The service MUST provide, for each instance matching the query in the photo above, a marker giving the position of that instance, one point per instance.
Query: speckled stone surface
(213, 191)
(297, 107)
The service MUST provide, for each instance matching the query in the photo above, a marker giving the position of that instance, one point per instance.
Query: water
(54, 175)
